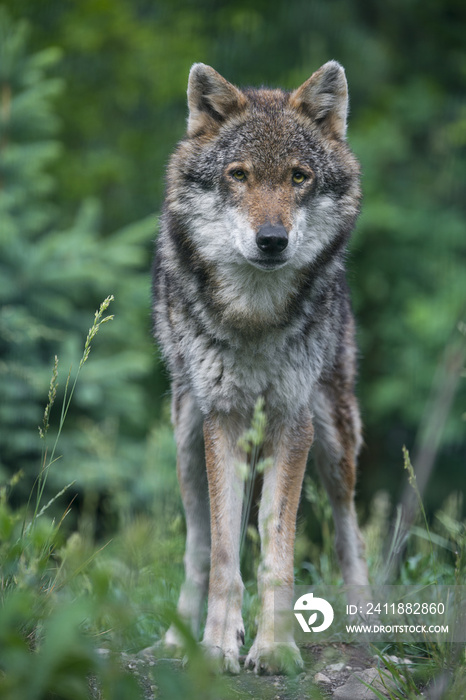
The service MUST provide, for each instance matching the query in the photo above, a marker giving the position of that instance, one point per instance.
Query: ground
(331, 672)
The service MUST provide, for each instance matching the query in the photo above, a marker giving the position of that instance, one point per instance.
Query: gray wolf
(250, 300)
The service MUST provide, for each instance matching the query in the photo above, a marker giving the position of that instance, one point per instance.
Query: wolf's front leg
(274, 650)
(224, 630)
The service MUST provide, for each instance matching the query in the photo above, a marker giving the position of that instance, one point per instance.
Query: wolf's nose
(272, 239)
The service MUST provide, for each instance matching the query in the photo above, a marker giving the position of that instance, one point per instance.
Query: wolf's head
(264, 177)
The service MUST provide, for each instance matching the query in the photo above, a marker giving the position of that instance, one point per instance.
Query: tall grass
(64, 596)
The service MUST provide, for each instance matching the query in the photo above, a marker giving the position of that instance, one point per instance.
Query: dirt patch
(328, 669)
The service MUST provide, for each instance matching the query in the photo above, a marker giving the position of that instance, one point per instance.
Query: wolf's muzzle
(272, 239)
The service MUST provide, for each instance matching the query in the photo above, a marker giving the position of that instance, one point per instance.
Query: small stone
(335, 668)
(103, 652)
(354, 688)
(395, 660)
(398, 661)
(322, 678)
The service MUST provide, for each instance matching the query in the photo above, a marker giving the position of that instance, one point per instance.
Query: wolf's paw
(223, 660)
(271, 659)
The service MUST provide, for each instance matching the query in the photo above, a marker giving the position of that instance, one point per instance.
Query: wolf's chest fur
(244, 333)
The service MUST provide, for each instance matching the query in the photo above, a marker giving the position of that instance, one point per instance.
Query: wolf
(250, 300)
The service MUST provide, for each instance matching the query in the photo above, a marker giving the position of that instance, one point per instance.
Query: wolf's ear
(324, 98)
(211, 99)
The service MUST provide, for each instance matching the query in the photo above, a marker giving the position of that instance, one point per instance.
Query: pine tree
(52, 280)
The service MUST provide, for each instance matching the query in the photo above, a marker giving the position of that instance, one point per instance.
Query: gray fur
(234, 324)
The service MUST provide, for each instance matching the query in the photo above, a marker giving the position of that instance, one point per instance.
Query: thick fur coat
(250, 299)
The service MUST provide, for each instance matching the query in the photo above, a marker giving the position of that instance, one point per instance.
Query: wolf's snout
(272, 239)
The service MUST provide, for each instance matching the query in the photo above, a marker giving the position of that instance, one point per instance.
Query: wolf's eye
(298, 177)
(239, 175)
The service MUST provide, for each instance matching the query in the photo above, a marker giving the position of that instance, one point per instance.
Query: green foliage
(85, 130)
(62, 596)
(50, 276)
(434, 554)
(125, 66)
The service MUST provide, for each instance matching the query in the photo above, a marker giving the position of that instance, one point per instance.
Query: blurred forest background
(92, 102)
